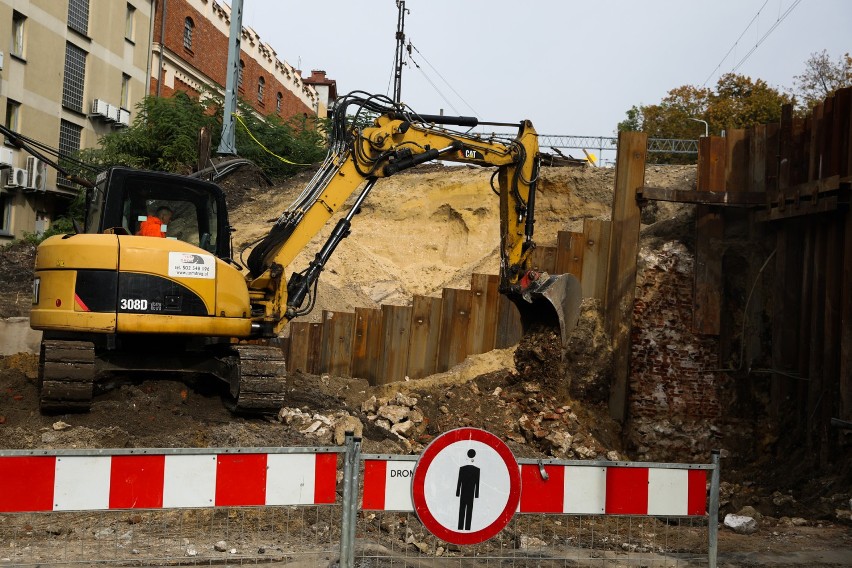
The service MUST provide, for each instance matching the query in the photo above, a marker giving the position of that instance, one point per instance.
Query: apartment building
(70, 72)
(190, 53)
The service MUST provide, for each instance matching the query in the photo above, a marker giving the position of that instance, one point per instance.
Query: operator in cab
(156, 225)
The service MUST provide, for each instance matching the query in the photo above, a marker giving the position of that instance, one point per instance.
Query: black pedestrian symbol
(467, 489)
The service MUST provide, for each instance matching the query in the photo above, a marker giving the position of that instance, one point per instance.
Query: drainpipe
(162, 48)
(150, 43)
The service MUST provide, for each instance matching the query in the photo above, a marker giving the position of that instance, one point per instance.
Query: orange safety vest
(151, 227)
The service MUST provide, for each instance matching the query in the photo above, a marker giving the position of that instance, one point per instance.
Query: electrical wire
(434, 86)
(745, 321)
(766, 35)
(264, 148)
(735, 43)
(444, 80)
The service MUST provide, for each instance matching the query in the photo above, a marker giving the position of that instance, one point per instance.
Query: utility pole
(227, 145)
(400, 45)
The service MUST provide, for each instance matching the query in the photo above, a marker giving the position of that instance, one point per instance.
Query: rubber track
(66, 376)
(263, 380)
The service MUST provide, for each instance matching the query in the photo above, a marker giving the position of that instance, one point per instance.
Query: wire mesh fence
(347, 533)
(398, 539)
(173, 537)
(311, 536)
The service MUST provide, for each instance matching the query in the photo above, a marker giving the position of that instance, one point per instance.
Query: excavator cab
(124, 200)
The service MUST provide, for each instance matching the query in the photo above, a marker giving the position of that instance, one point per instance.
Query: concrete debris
(325, 428)
(740, 524)
(398, 415)
(393, 413)
(347, 424)
(526, 542)
(402, 428)
(220, 546)
(191, 551)
(60, 425)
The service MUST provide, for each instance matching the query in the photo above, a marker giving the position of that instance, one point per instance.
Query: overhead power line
(766, 35)
(442, 78)
(734, 46)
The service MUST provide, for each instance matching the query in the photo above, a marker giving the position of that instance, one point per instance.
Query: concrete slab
(16, 336)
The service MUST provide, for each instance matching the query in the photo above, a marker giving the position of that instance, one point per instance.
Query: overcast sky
(571, 67)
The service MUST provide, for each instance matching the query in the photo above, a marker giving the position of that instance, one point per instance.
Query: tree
(164, 137)
(736, 102)
(821, 78)
(739, 102)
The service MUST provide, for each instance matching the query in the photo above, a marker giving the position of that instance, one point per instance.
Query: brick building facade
(190, 53)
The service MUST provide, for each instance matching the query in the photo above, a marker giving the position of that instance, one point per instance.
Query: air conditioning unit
(7, 156)
(111, 113)
(36, 174)
(100, 107)
(17, 178)
(123, 117)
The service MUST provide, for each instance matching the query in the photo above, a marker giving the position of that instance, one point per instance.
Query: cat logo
(471, 154)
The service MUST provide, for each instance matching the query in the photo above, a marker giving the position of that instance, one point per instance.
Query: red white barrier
(387, 485)
(152, 481)
(568, 489)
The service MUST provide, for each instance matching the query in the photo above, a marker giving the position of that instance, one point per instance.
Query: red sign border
(418, 496)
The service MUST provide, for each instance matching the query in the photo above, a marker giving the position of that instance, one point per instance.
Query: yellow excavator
(149, 285)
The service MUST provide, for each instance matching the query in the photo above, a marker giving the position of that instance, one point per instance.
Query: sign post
(466, 486)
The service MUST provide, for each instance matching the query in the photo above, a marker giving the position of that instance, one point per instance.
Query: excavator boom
(396, 140)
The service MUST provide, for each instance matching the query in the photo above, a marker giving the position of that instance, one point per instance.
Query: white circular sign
(466, 486)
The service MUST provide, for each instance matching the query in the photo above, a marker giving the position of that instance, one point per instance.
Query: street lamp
(706, 126)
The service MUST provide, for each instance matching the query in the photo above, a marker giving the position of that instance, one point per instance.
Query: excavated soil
(420, 231)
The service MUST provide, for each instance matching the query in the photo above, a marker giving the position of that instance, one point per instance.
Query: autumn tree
(821, 78)
(737, 101)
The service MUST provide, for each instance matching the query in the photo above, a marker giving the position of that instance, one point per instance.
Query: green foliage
(821, 78)
(163, 136)
(298, 140)
(736, 102)
(165, 130)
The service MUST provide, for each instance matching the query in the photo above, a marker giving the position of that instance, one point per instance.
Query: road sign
(466, 486)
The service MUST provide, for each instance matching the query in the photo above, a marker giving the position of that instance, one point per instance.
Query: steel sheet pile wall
(795, 176)
(430, 335)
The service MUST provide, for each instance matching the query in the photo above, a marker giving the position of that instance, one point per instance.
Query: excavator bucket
(556, 297)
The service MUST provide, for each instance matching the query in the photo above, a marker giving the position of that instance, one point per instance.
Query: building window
(260, 83)
(69, 144)
(74, 79)
(78, 16)
(13, 109)
(188, 26)
(18, 23)
(6, 213)
(125, 92)
(69, 138)
(129, 22)
(278, 98)
(240, 74)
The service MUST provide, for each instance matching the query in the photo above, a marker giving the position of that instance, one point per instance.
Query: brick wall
(209, 56)
(675, 394)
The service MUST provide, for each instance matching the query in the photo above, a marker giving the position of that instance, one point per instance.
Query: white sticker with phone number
(191, 265)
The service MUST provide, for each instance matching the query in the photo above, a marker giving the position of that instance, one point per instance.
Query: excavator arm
(358, 158)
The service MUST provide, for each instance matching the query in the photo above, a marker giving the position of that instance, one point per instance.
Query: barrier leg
(349, 494)
(713, 512)
(353, 502)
